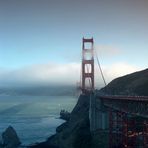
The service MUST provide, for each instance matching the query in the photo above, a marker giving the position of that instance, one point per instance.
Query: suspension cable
(99, 65)
(80, 75)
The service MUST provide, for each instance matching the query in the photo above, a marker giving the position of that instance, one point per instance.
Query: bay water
(34, 118)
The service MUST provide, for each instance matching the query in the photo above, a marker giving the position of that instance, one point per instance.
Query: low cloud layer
(119, 69)
(42, 74)
(113, 71)
(107, 50)
(59, 74)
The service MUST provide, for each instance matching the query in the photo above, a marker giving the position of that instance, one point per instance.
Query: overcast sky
(40, 40)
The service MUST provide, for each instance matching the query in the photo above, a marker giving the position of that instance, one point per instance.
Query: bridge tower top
(87, 65)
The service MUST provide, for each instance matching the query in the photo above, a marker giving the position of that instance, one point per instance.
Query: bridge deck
(125, 98)
(134, 105)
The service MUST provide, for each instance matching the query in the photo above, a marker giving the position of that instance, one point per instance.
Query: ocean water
(34, 118)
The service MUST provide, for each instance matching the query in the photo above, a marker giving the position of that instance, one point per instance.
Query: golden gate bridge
(124, 117)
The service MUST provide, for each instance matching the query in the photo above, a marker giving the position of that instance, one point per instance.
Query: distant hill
(39, 91)
(131, 84)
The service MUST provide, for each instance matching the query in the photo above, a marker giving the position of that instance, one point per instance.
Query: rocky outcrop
(10, 138)
(65, 115)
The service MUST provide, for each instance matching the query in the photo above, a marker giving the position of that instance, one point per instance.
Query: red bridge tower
(87, 65)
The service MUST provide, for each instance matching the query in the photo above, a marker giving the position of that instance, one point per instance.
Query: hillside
(76, 134)
(131, 84)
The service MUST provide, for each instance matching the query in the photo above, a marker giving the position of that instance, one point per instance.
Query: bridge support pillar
(98, 117)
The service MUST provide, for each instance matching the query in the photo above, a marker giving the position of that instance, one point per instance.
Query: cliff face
(74, 133)
(132, 84)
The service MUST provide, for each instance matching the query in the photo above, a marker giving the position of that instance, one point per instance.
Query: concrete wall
(98, 116)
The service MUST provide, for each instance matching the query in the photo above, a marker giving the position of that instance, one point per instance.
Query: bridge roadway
(133, 105)
(100, 106)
